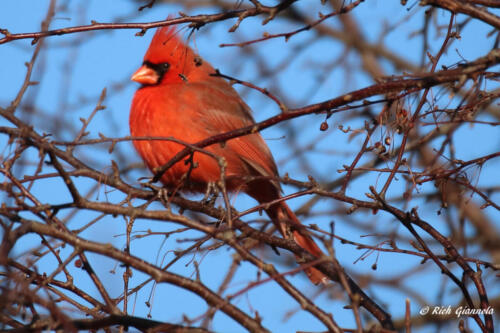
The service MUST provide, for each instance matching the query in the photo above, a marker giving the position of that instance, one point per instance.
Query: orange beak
(145, 75)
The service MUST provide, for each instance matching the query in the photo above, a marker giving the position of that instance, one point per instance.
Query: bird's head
(168, 59)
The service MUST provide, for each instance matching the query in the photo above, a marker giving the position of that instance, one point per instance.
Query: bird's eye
(160, 68)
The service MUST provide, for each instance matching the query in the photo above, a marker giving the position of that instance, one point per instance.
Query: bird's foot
(211, 194)
(161, 193)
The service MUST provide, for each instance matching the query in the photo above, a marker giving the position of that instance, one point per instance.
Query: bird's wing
(224, 111)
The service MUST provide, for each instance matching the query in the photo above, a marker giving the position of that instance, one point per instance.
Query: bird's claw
(211, 194)
(161, 193)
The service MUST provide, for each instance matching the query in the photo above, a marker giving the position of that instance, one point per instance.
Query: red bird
(179, 98)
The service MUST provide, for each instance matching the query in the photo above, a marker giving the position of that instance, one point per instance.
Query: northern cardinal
(180, 98)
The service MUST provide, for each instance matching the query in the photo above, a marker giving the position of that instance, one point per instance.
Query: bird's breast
(165, 123)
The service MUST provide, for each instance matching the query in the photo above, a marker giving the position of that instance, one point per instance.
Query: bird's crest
(165, 45)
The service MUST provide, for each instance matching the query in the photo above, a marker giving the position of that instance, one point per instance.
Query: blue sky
(73, 79)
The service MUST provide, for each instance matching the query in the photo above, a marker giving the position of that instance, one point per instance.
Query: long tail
(285, 219)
